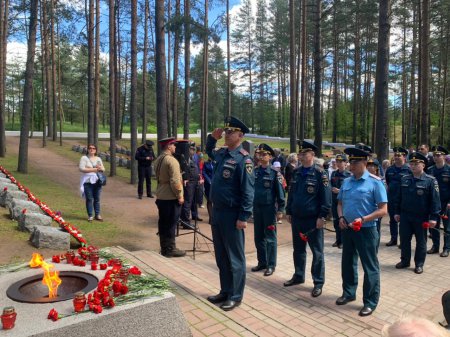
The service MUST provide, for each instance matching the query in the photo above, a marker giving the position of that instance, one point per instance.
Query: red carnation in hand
(134, 271)
(356, 225)
(303, 237)
(444, 217)
(425, 225)
(53, 315)
(271, 228)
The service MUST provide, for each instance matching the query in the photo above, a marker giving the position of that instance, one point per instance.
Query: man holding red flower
(416, 202)
(362, 199)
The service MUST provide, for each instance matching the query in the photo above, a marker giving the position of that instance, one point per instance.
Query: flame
(51, 278)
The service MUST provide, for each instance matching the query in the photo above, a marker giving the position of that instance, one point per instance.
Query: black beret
(266, 148)
(305, 146)
(234, 123)
(356, 154)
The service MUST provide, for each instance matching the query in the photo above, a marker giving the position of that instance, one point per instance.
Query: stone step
(268, 309)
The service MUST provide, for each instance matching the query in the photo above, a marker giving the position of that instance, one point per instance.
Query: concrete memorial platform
(150, 317)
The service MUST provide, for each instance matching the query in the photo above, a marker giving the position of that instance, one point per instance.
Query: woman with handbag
(91, 184)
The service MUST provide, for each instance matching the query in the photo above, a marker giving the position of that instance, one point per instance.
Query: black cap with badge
(264, 148)
(355, 154)
(305, 146)
(418, 158)
(232, 123)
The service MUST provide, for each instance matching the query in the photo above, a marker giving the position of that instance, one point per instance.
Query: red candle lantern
(116, 265)
(93, 256)
(70, 255)
(123, 275)
(8, 318)
(79, 301)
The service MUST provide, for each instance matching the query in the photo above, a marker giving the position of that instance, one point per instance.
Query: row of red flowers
(71, 229)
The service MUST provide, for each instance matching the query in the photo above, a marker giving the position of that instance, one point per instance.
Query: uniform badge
(436, 186)
(280, 178)
(310, 189)
(267, 184)
(325, 180)
(249, 166)
(420, 192)
(226, 174)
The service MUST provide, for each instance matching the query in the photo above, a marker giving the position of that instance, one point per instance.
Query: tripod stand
(194, 227)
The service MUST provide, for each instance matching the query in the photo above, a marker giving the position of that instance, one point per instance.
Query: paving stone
(50, 237)
(28, 220)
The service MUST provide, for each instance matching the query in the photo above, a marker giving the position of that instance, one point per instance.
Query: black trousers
(189, 205)
(169, 212)
(412, 225)
(144, 173)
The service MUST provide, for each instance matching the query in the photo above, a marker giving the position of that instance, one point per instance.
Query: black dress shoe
(340, 246)
(316, 292)
(418, 270)
(258, 268)
(150, 196)
(366, 311)
(444, 253)
(230, 305)
(219, 298)
(392, 243)
(293, 281)
(401, 265)
(433, 250)
(197, 218)
(140, 196)
(269, 271)
(335, 244)
(344, 300)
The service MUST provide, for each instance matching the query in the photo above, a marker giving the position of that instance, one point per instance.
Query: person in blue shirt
(337, 178)
(393, 176)
(441, 171)
(232, 191)
(268, 207)
(309, 202)
(416, 203)
(362, 199)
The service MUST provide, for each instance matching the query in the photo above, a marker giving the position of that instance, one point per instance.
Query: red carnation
(5, 188)
(444, 217)
(117, 287)
(98, 309)
(24, 211)
(111, 303)
(271, 228)
(425, 225)
(56, 258)
(356, 225)
(53, 315)
(124, 289)
(304, 237)
(134, 271)
(103, 266)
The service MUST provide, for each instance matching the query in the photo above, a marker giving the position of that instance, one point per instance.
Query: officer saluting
(441, 171)
(417, 202)
(145, 156)
(393, 177)
(309, 202)
(232, 190)
(268, 207)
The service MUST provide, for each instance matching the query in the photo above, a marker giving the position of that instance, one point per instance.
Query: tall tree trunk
(356, 73)
(51, 127)
(412, 96)
(204, 117)
(90, 70)
(4, 10)
(381, 83)
(144, 73)
(444, 121)
(55, 104)
(97, 71)
(335, 72)
(44, 79)
(425, 73)
(160, 65)
(317, 77)
(133, 87)
(112, 88)
(27, 91)
(228, 113)
(169, 64)
(176, 55)
(404, 93)
(293, 101)
(187, 67)
(117, 86)
(303, 86)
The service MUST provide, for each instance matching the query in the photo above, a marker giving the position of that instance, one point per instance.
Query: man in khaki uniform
(169, 197)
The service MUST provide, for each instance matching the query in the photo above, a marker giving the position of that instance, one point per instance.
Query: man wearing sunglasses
(441, 171)
(232, 191)
(393, 177)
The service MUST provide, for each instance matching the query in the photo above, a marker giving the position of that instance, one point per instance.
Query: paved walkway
(269, 309)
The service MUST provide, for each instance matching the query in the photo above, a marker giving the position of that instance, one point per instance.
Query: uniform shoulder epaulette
(374, 176)
(319, 168)
(429, 176)
(243, 152)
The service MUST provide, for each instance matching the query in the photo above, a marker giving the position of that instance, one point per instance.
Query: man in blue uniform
(337, 178)
(232, 191)
(309, 202)
(145, 156)
(416, 203)
(362, 200)
(441, 171)
(191, 180)
(268, 207)
(393, 177)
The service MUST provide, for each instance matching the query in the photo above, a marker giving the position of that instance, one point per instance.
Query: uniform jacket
(393, 178)
(168, 175)
(443, 178)
(418, 197)
(269, 188)
(142, 153)
(192, 173)
(337, 178)
(233, 178)
(309, 196)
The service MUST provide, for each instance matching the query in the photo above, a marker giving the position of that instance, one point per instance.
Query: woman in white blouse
(89, 185)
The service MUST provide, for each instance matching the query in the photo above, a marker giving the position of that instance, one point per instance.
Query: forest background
(345, 70)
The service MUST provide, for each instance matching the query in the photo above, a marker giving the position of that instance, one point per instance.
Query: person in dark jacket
(145, 156)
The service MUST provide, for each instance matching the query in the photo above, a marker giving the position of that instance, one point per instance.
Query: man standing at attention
(169, 197)
(309, 202)
(145, 156)
(362, 200)
(231, 193)
(393, 176)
